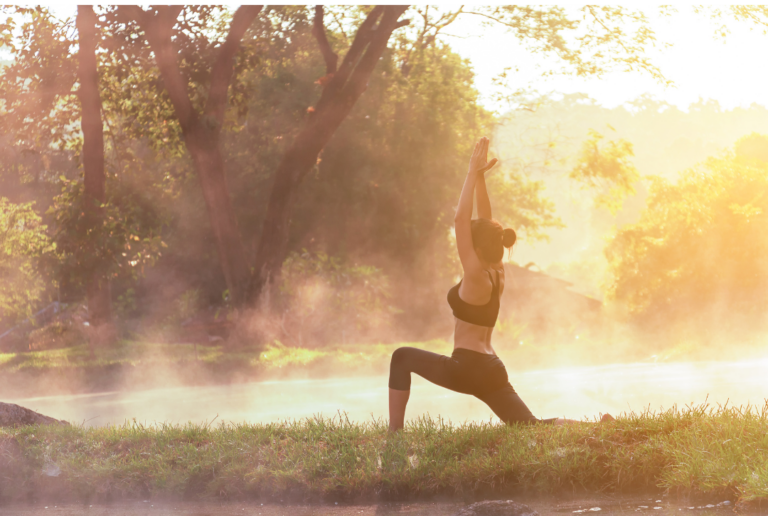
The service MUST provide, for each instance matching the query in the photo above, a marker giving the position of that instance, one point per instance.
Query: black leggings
(465, 371)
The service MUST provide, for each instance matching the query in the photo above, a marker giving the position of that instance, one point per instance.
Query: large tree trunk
(297, 161)
(209, 163)
(200, 134)
(97, 287)
(344, 86)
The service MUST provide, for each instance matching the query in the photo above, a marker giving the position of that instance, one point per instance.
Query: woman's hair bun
(509, 238)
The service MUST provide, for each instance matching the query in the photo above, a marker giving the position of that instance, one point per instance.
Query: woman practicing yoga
(473, 368)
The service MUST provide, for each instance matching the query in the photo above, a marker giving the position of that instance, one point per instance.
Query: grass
(697, 452)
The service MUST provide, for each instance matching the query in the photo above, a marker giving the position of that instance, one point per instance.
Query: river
(568, 392)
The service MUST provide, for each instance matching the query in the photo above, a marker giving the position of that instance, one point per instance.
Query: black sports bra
(481, 315)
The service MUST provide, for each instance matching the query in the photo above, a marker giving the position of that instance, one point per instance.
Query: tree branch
(318, 31)
(167, 14)
(362, 38)
(493, 18)
(221, 75)
(174, 12)
(359, 78)
(132, 12)
(607, 30)
(158, 35)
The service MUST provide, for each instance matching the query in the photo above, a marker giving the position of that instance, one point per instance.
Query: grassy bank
(696, 452)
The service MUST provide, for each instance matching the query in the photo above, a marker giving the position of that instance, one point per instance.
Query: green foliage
(607, 169)
(128, 240)
(125, 304)
(388, 182)
(24, 244)
(386, 185)
(39, 112)
(382, 193)
(39, 103)
(697, 257)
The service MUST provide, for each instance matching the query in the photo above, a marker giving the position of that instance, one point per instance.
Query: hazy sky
(699, 64)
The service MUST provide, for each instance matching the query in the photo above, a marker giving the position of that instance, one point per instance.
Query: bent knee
(399, 373)
(399, 357)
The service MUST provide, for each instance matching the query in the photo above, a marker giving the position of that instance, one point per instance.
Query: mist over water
(568, 392)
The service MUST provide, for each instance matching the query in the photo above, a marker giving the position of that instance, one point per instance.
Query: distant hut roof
(536, 283)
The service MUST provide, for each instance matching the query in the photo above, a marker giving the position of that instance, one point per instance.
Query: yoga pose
(473, 368)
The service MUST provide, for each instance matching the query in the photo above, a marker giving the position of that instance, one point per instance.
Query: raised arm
(477, 167)
(483, 201)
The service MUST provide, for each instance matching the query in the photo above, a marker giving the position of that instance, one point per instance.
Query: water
(604, 507)
(573, 393)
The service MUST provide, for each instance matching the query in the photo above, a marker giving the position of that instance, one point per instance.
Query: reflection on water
(572, 392)
(648, 507)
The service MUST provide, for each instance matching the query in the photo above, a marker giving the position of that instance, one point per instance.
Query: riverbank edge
(140, 366)
(40, 382)
(698, 454)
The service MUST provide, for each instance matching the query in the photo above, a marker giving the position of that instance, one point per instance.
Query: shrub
(321, 300)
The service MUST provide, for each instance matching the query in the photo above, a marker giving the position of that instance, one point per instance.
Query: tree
(202, 131)
(697, 256)
(341, 89)
(342, 86)
(544, 29)
(40, 113)
(388, 171)
(23, 243)
(608, 170)
(98, 286)
(102, 230)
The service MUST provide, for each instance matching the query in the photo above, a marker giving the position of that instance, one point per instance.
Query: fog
(371, 261)
(575, 392)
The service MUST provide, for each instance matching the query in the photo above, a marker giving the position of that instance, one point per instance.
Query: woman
(473, 368)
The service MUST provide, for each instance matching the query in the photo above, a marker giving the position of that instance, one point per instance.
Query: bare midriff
(473, 337)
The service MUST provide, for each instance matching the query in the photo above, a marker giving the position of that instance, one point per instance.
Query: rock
(497, 508)
(14, 415)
